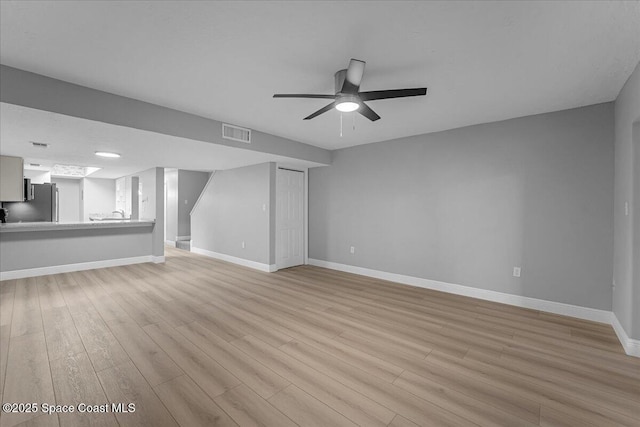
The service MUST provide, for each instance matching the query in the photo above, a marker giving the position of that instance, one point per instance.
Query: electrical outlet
(186, 202)
(516, 271)
(264, 207)
(243, 245)
(352, 250)
(626, 208)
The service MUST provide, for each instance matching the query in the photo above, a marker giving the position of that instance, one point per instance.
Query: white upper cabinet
(11, 179)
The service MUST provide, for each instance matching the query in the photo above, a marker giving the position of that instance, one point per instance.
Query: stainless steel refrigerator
(43, 206)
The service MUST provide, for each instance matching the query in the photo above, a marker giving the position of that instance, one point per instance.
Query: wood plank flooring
(196, 341)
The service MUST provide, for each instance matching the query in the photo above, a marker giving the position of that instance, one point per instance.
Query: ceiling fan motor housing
(344, 98)
(339, 79)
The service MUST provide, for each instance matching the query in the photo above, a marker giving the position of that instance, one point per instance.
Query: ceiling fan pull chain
(340, 125)
(354, 121)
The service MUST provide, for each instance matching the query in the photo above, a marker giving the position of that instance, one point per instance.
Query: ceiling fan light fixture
(347, 103)
(347, 106)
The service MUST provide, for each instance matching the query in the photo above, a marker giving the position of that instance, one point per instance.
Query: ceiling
(482, 61)
(74, 141)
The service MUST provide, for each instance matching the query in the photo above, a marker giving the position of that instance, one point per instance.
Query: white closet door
(289, 218)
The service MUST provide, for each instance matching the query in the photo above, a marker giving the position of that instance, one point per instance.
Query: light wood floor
(201, 342)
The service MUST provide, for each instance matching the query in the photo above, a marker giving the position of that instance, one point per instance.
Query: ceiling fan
(347, 97)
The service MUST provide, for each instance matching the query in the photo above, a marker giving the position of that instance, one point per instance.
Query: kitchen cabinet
(11, 179)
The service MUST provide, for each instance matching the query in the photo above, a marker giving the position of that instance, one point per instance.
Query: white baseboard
(157, 259)
(68, 268)
(171, 243)
(586, 313)
(630, 345)
(235, 260)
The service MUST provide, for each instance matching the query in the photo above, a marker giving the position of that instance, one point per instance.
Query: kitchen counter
(32, 249)
(13, 227)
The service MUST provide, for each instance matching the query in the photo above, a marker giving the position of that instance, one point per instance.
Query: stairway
(184, 244)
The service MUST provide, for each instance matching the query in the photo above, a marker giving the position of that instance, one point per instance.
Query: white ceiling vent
(236, 133)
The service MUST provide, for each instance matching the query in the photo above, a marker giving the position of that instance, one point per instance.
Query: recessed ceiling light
(107, 154)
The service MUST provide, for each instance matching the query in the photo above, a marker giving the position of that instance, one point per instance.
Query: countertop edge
(18, 227)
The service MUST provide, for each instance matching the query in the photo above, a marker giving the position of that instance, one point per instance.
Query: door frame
(305, 210)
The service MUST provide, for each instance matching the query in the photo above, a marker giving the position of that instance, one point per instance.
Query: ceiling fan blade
(303, 95)
(368, 112)
(395, 93)
(353, 77)
(321, 111)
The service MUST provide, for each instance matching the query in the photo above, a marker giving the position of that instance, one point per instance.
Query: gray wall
(171, 212)
(149, 194)
(190, 185)
(32, 90)
(230, 211)
(467, 205)
(272, 213)
(152, 205)
(634, 305)
(626, 295)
